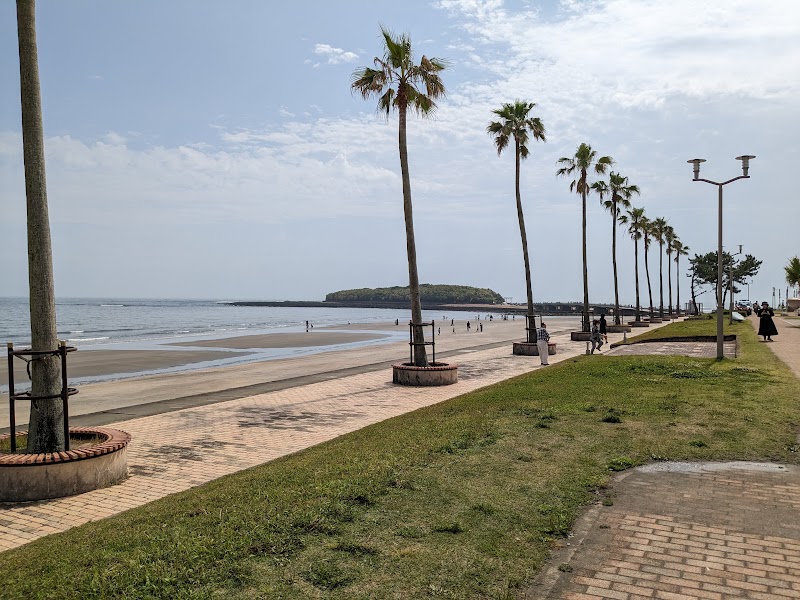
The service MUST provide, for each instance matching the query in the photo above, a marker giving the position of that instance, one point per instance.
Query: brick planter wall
(26, 477)
(528, 349)
(434, 374)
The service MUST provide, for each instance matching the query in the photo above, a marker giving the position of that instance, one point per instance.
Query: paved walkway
(685, 531)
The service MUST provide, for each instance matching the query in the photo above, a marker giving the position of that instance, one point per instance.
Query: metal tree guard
(412, 343)
(65, 393)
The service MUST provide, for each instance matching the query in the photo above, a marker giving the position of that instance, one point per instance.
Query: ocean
(106, 322)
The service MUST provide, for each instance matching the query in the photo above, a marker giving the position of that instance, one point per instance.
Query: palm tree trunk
(647, 271)
(531, 333)
(420, 355)
(669, 282)
(614, 260)
(586, 326)
(661, 279)
(46, 426)
(678, 284)
(636, 268)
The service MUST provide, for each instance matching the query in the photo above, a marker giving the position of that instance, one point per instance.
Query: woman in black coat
(766, 326)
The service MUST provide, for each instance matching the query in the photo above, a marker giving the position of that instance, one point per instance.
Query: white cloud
(334, 55)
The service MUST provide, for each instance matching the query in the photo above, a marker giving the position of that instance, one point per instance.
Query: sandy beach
(117, 396)
(309, 339)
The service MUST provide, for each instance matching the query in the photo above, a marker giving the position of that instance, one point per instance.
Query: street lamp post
(745, 158)
(730, 284)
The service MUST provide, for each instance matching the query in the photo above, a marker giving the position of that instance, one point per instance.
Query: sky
(205, 149)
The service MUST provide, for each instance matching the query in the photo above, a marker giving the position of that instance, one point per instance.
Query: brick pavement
(207, 442)
(686, 531)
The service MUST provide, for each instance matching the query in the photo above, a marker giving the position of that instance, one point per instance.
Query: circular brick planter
(434, 374)
(618, 328)
(638, 323)
(529, 349)
(580, 336)
(26, 477)
(655, 320)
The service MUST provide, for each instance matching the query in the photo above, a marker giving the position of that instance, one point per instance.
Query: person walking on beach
(766, 326)
(467, 325)
(481, 326)
(596, 339)
(603, 330)
(542, 337)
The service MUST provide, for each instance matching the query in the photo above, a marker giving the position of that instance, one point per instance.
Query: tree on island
(658, 228)
(46, 425)
(636, 228)
(615, 195)
(585, 159)
(400, 84)
(515, 122)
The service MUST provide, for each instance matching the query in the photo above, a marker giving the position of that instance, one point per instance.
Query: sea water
(101, 322)
(136, 324)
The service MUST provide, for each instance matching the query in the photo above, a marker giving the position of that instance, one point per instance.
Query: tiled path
(683, 531)
(207, 442)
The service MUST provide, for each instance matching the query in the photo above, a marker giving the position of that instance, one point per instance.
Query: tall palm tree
(669, 241)
(614, 196)
(658, 230)
(400, 84)
(515, 122)
(647, 231)
(585, 159)
(46, 426)
(680, 250)
(637, 223)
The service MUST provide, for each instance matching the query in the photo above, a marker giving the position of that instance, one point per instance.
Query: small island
(429, 293)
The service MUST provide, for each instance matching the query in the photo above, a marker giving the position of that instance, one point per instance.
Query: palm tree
(636, 227)
(680, 250)
(516, 122)
(614, 196)
(647, 231)
(400, 84)
(658, 230)
(46, 425)
(585, 159)
(669, 240)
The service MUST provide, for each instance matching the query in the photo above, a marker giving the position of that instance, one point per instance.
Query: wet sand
(309, 339)
(94, 363)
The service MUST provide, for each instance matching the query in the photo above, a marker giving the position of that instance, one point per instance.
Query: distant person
(757, 309)
(542, 337)
(467, 325)
(397, 321)
(491, 318)
(596, 338)
(440, 331)
(481, 326)
(603, 330)
(766, 325)
(306, 326)
(452, 322)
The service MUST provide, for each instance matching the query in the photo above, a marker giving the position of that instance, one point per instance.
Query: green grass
(703, 325)
(459, 500)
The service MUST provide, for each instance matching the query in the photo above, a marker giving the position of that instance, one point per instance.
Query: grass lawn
(459, 500)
